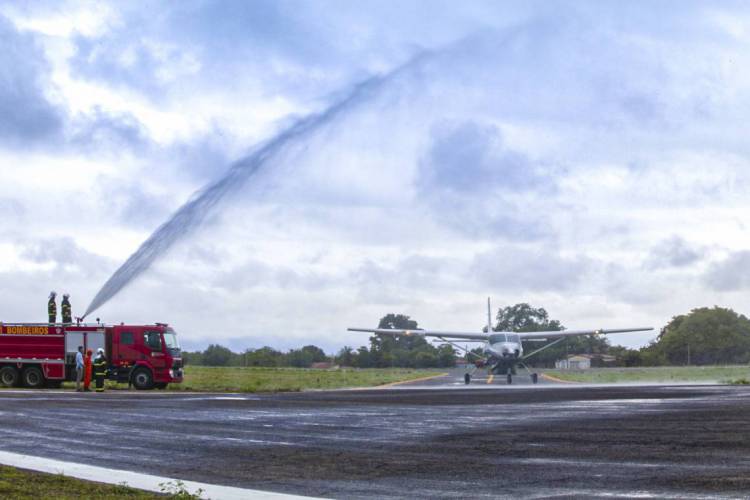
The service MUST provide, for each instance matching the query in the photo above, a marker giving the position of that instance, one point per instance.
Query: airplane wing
(424, 333)
(575, 333)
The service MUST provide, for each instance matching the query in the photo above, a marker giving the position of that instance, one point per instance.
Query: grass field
(655, 374)
(21, 484)
(240, 379)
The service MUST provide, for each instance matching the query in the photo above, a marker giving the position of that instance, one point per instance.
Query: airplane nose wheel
(534, 378)
(510, 376)
(467, 378)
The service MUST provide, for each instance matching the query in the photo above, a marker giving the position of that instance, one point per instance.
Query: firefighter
(52, 307)
(87, 371)
(65, 309)
(100, 369)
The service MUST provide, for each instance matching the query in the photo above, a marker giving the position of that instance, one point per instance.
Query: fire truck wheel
(143, 380)
(32, 377)
(8, 376)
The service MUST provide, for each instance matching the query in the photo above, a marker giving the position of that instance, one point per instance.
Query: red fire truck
(39, 354)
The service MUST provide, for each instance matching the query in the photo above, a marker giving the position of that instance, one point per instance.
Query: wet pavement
(437, 440)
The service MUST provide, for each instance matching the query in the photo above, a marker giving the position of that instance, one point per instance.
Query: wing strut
(543, 348)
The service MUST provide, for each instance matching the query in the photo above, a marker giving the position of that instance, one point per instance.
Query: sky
(586, 157)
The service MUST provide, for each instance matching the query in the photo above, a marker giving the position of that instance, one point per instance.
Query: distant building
(585, 361)
(323, 365)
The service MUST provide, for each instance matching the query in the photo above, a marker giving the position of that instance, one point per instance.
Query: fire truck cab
(35, 355)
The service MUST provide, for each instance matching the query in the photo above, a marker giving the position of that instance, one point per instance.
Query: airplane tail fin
(489, 317)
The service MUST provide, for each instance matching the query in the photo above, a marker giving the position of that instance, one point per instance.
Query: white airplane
(503, 351)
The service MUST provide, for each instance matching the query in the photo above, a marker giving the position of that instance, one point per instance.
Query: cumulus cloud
(731, 273)
(476, 184)
(63, 254)
(529, 269)
(673, 252)
(26, 114)
(100, 131)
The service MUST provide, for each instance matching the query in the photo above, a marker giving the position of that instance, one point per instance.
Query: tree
(363, 358)
(425, 359)
(192, 358)
(625, 356)
(446, 356)
(345, 356)
(524, 318)
(216, 355)
(399, 351)
(265, 356)
(708, 335)
(397, 321)
(305, 357)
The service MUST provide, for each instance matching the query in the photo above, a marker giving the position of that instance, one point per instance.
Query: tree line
(704, 336)
(402, 352)
(218, 355)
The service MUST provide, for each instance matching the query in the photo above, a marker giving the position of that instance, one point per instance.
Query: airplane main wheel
(467, 378)
(534, 378)
(510, 379)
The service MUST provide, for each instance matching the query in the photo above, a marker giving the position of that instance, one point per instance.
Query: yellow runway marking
(555, 379)
(406, 381)
(489, 380)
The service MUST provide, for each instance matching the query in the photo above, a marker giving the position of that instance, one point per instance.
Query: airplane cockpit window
(514, 338)
(497, 337)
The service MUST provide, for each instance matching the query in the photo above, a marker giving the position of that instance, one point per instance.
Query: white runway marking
(134, 479)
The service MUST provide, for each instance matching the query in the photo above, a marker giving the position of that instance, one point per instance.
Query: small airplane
(503, 351)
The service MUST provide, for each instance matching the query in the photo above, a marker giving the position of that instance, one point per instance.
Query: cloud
(26, 115)
(100, 131)
(470, 158)
(524, 269)
(63, 254)
(478, 185)
(12, 207)
(673, 252)
(730, 274)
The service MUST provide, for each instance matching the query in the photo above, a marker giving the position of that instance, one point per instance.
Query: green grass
(241, 379)
(723, 374)
(21, 484)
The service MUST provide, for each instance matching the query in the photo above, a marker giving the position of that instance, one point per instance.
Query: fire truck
(43, 354)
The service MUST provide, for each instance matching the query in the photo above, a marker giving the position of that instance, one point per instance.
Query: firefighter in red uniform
(100, 369)
(52, 308)
(87, 371)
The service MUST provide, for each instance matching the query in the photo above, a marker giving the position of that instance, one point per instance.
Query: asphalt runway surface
(437, 440)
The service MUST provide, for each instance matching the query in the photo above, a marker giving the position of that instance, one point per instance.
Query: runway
(437, 440)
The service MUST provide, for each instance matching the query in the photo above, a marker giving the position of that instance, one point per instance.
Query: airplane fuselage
(503, 351)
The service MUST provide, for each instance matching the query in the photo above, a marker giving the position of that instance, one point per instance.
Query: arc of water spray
(190, 215)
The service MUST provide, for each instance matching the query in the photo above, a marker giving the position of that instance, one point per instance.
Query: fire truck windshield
(170, 340)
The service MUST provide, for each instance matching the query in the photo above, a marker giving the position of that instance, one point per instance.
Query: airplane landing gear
(467, 378)
(534, 376)
(510, 378)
